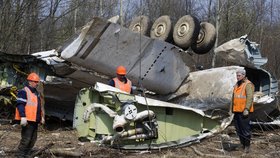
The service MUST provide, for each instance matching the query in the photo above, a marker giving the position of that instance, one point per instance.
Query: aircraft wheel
(206, 38)
(186, 31)
(140, 24)
(162, 29)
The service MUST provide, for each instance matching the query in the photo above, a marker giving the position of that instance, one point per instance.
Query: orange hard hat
(33, 77)
(121, 70)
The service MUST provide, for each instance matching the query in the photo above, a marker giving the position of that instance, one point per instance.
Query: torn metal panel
(208, 89)
(14, 69)
(60, 93)
(63, 68)
(241, 51)
(50, 57)
(272, 123)
(117, 119)
(211, 90)
(13, 72)
(103, 45)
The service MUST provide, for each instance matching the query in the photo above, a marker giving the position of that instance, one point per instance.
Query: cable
(16, 67)
(140, 63)
(140, 44)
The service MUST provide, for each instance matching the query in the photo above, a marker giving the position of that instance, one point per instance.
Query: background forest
(29, 26)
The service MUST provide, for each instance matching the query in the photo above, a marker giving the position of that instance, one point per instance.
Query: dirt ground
(60, 140)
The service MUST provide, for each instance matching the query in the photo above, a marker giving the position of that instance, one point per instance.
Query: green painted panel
(125, 97)
(174, 124)
(84, 99)
(162, 132)
(182, 124)
(107, 99)
(104, 123)
(210, 123)
(80, 125)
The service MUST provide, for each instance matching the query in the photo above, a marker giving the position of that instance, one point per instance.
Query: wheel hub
(183, 29)
(137, 28)
(160, 30)
(201, 36)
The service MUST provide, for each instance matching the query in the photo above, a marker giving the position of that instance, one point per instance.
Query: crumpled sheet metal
(232, 51)
(142, 100)
(170, 142)
(102, 46)
(241, 51)
(208, 89)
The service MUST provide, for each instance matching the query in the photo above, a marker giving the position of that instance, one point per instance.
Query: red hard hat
(121, 70)
(33, 77)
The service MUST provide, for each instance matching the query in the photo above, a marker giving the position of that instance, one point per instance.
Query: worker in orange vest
(121, 81)
(29, 113)
(242, 107)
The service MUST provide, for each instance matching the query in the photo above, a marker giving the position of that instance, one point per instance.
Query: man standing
(242, 106)
(121, 81)
(29, 113)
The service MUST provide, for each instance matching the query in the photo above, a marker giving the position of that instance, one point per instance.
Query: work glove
(23, 121)
(245, 112)
(137, 89)
(43, 120)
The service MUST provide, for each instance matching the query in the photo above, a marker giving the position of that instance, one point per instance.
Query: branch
(41, 150)
(207, 155)
(65, 153)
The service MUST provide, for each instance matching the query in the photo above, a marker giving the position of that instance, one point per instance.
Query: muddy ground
(58, 139)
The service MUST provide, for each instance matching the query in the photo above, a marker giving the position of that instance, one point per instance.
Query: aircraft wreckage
(109, 116)
(180, 98)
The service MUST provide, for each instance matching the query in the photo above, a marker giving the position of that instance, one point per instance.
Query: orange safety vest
(30, 107)
(239, 97)
(123, 86)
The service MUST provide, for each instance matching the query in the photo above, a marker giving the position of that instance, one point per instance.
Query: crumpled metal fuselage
(115, 118)
(166, 70)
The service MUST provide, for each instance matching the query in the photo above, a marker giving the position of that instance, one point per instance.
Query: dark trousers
(28, 139)
(243, 128)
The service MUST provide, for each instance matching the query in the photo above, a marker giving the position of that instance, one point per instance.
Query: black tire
(206, 39)
(140, 24)
(162, 29)
(186, 31)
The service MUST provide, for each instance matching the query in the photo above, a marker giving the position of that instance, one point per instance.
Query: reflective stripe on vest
(123, 86)
(30, 107)
(239, 97)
